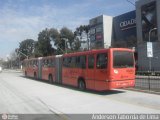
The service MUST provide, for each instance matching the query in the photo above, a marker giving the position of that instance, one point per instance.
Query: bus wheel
(35, 75)
(25, 74)
(81, 85)
(50, 78)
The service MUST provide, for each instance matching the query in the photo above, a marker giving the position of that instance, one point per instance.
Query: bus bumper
(121, 84)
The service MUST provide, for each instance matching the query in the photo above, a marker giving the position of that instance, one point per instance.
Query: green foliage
(68, 35)
(56, 40)
(77, 44)
(43, 46)
(26, 47)
(52, 42)
(80, 30)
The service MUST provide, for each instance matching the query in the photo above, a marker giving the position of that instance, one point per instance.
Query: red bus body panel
(121, 77)
(46, 70)
(29, 70)
(100, 79)
(95, 78)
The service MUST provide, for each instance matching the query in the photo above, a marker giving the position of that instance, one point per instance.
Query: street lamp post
(150, 41)
(151, 32)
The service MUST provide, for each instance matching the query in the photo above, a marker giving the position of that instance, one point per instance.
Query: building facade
(148, 30)
(100, 32)
(119, 31)
(139, 29)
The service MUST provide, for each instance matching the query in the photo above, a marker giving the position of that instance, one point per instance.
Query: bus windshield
(123, 59)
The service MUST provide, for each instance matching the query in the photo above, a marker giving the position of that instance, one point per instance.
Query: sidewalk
(143, 90)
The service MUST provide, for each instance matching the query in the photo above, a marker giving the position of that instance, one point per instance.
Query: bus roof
(96, 51)
(82, 53)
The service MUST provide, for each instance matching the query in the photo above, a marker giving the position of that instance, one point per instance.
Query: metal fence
(148, 82)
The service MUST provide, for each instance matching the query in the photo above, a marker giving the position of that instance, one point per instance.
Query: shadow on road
(107, 92)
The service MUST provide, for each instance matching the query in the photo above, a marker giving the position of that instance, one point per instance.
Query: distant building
(119, 31)
(133, 29)
(100, 31)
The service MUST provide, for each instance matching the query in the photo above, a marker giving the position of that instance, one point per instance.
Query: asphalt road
(20, 95)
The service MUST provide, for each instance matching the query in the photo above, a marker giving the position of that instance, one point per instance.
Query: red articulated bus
(102, 69)
(31, 67)
(48, 68)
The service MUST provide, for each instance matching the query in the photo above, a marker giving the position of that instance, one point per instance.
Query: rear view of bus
(122, 68)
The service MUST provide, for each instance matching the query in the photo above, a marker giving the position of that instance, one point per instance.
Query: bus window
(102, 60)
(122, 59)
(81, 62)
(90, 61)
(50, 63)
(64, 62)
(67, 62)
(35, 63)
(30, 63)
(73, 62)
(45, 63)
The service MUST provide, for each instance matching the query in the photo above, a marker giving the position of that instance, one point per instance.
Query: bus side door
(101, 71)
(90, 81)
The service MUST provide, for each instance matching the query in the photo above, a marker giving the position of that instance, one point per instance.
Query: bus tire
(50, 78)
(35, 75)
(25, 74)
(81, 85)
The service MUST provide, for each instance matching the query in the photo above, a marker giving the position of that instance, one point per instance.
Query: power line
(130, 2)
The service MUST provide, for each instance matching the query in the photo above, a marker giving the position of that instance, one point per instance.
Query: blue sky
(22, 19)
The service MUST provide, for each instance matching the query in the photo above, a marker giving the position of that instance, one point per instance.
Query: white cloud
(15, 25)
(18, 23)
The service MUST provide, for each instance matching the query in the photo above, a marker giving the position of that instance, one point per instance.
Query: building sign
(128, 24)
(124, 30)
(149, 49)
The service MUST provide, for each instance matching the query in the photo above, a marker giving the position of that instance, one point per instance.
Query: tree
(79, 32)
(67, 36)
(37, 53)
(76, 44)
(43, 46)
(26, 47)
(56, 40)
(54, 35)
